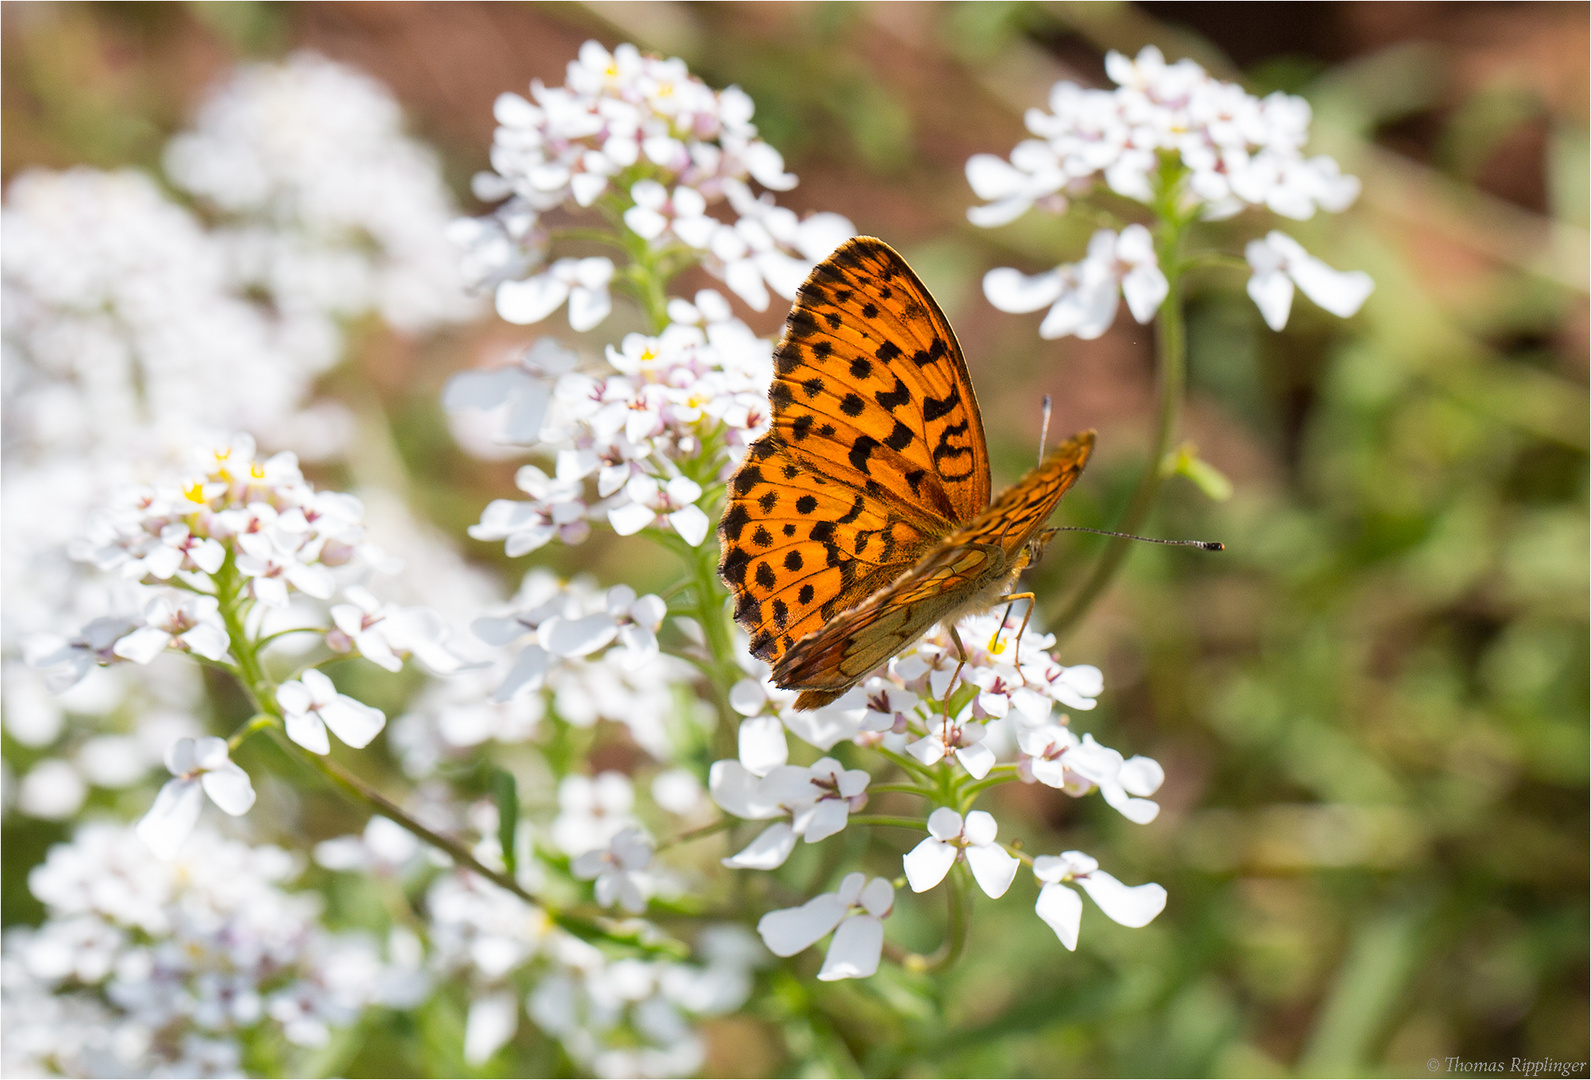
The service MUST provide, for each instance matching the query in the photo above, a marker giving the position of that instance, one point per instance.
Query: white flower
(193, 625)
(384, 633)
(1279, 262)
(819, 799)
(197, 765)
(1062, 908)
(491, 1022)
(272, 563)
(523, 389)
(762, 744)
(311, 704)
(950, 838)
(1234, 150)
(964, 738)
(854, 912)
(592, 811)
(556, 508)
(582, 282)
(65, 662)
(1084, 295)
(651, 502)
(619, 870)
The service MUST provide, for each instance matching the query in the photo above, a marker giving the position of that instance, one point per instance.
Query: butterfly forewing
(871, 387)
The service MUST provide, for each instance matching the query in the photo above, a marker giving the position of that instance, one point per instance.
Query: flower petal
(854, 952)
(492, 1022)
(229, 788)
(1130, 905)
(307, 730)
(1063, 910)
(993, 868)
(789, 930)
(354, 722)
(927, 864)
(767, 852)
(763, 746)
(175, 812)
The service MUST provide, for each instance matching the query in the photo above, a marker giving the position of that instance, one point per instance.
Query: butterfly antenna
(1207, 545)
(1044, 429)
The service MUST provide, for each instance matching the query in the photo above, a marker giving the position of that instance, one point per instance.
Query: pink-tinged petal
(944, 824)
(1012, 291)
(927, 864)
(492, 1022)
(878, 897)
(1130, 905)
(767, 852)
(1063, 910)
(854, 952)
(229, 788)
(307, 730)
(175, 812)
(993, 868)
(142, 645)
(763, 746)
(977, 759)
(828, 818)
(789, 930)
(526, 676)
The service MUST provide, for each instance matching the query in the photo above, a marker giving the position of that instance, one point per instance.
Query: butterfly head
(1033, 550)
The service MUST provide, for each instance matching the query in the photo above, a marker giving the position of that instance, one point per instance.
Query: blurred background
(1372, 709)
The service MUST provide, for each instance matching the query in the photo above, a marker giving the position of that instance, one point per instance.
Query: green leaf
(506, 793)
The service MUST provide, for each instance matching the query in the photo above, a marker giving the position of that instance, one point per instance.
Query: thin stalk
(956, 922)
(889, 820)
(696, 834)
(1171, 361)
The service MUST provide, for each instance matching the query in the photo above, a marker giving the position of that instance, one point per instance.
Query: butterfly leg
(961, 651)
(1016, 654)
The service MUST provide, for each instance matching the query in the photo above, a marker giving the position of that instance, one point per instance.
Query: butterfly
(862, 517)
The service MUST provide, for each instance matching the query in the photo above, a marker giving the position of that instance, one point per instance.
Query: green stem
(920, 824)
(956, 923)
(1171, 361)
(696, 834)
(1000, 774)
(259, 723)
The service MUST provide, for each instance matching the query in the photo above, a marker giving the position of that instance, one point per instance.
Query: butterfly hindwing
(870, 386)
(970, 568)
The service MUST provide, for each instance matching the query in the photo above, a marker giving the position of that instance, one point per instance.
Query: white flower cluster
(1004, 701)
(149, 968)
(643, 137)
(1238, 150)
(1229, 150)
(698, 387)
(325, 204)
(616, 1017)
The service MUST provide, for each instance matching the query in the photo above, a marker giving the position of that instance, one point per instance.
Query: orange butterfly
(862, 518)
